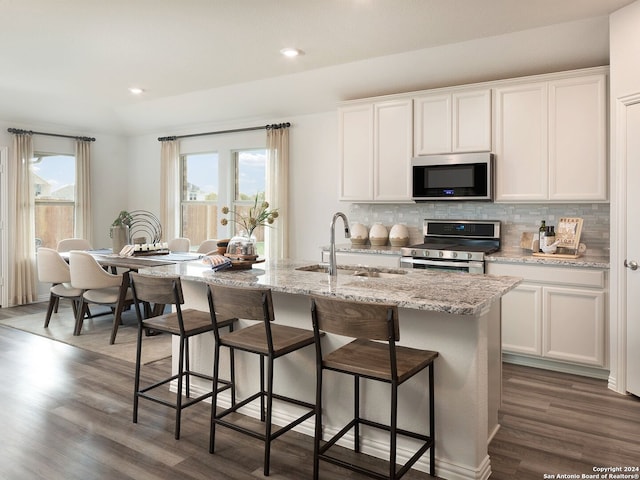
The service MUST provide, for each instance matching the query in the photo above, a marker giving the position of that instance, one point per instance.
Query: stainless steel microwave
(459, 176)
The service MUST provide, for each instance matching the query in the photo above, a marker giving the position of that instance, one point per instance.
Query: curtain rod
(22, 132)
(248, 129)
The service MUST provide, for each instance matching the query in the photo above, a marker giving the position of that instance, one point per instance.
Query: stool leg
(267, 434)
(393, 430)
(356, 413)
(179, 393)
(187, 368)
(432, 428)
(262, 388)
(232, 373)
(318, 430)
(214, 398)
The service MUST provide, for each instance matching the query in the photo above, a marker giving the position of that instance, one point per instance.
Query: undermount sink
(355, 271)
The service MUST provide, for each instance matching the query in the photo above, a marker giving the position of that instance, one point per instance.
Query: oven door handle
(440, 263)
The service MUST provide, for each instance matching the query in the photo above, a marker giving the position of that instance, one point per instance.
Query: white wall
(313, 172)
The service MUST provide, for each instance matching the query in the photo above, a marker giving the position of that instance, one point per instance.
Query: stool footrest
(427, 443)
(219, 418)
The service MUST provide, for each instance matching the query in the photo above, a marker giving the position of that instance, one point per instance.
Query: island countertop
(430, 290)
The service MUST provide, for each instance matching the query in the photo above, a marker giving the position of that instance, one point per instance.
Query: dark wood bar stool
(266, 339)
(151, 296)
(373, 355)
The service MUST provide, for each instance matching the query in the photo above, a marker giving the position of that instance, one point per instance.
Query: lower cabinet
(556, 313)
(366, 259)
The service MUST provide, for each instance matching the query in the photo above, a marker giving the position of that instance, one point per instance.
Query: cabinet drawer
(585, 277)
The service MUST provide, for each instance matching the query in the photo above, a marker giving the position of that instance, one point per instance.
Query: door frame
(618, 274)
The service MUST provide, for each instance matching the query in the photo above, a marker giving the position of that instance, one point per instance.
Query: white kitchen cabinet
(375, 142)
(550, 139)
(578, 139)
(447, 122)
(556, 313)
(365, 259)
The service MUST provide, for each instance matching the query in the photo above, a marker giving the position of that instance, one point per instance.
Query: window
(250, 175)
(204, 193)
(199, 205)
(54, 178)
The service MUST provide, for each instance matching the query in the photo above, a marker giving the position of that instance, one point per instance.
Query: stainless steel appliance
(459, 245)
(461, 176)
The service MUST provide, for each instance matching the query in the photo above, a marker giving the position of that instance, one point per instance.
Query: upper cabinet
(458, 121)
(375, 144)
(550, 140)
(549, 134)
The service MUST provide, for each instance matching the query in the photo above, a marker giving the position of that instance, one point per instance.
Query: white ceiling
(70, 62)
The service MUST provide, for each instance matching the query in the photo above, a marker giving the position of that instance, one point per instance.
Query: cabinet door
(356, 152)
(521, 143)
(577, 139)
(433, 124)
(471, 121)
(522, 320)
(392, 150)
(573, 325)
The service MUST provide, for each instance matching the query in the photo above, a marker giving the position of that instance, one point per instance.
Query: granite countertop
(455, 293)
(525, 257)
(515, 255)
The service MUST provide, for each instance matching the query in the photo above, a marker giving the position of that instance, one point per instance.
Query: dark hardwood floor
(65, 413)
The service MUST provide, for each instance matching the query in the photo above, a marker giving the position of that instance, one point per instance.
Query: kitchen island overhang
(456, 314)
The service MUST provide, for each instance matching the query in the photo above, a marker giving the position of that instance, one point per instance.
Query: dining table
(125, 264)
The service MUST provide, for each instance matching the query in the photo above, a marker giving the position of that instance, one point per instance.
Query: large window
(204, 193)
(54, 178)
(200, 189)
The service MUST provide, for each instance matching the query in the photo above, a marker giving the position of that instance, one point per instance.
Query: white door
(632, 147)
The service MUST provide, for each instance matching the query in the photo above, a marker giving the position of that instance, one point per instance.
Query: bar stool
(267, 340)
(162, 291)
(373, 355)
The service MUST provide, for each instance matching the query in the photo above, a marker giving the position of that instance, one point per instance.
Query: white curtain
(277, 193)
(22, 262)
(83, 224)
(170, 189)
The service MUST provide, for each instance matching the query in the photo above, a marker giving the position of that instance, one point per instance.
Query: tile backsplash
(515, 218)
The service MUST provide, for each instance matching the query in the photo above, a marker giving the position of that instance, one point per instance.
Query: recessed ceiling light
(291, 52)
(136, 90)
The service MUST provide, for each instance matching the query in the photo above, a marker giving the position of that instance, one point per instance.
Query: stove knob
(441, 254)
(454, 254)
(469, 256)
(414, 253)
(426, 253)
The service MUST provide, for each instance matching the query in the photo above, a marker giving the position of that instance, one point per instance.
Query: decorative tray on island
(242, 262)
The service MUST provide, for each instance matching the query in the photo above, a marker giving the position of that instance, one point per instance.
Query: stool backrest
(240, 302)
(374, 321)
(159, 290)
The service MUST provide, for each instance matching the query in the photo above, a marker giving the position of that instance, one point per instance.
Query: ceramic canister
(378, 235)
(399, 235)
(359, 234)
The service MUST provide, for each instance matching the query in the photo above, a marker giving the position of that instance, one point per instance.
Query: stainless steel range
(459, 245)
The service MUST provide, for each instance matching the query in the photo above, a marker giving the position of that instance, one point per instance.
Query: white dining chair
(99, 287)
(180, 244)
(207, 246)
(68, 244)
(53, 269)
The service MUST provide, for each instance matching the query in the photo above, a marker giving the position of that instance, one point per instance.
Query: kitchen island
(454, 313)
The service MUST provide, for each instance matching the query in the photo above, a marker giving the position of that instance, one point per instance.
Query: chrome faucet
(333, 269)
